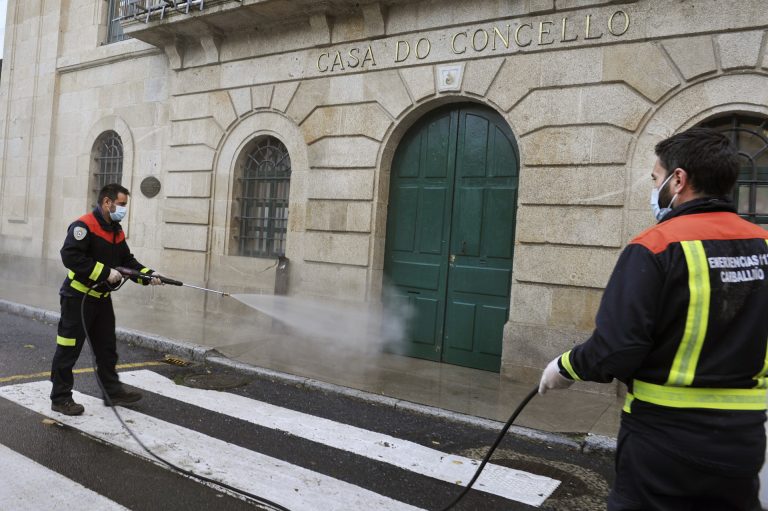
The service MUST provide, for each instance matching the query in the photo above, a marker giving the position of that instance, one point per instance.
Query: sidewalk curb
(197, 353)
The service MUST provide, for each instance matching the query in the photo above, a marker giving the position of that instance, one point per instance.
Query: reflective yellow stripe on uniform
(628, 402)
(65, 341)
(79, 286)
(687, 356)
(97, 269)
(699, 397)
(762, 382)
(144, 282)
(565, 359)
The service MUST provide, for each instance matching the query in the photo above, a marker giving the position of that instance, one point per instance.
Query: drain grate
(176, 361)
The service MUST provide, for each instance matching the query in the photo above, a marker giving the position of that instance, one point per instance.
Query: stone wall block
(420, 81)
(609, 145)
(338, 216)
(193, 106)
(261, 96)
(344, 152)
(223, 109)
(190, 158)
(479, 74)
(643, 66)
(352, 184)
(310, 95)
(739, 49)
(702, 16)
(693, 56)
(614, 104)
(197, 131)
(406, 17)
(368, 120)
(575, 145)
(350, 249)
(575, 307)
(567, 266)
(187, 184)
(588, 226)
(548, 107)
(388, 89)
(518, 75)
(241, 99)
(598, 186)
(327, 280)
(188, 211)
(185, 237)
(196, 79)
(283, 95)
(531, 304)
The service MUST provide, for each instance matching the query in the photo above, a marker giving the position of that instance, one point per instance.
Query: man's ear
(681, 179)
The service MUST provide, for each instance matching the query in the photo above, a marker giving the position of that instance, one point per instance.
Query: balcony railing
(145, 10)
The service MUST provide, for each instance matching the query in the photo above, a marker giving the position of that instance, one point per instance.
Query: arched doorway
(450, 234)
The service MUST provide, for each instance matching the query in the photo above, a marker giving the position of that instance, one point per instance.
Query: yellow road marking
(46, 374)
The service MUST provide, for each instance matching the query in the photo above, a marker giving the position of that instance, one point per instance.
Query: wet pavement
(248, 337)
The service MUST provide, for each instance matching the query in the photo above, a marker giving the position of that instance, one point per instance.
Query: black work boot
(68, 407)
(123, 398)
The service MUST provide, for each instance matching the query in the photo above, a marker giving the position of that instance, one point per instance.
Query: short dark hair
(111, 190)
(708, 156)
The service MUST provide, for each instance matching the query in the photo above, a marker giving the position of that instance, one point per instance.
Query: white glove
(552, 379)
(114, 276)
(155, 281)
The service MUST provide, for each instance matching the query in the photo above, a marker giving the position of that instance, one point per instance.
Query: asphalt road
(26, 348)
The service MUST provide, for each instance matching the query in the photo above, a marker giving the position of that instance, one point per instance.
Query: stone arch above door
(744, 93)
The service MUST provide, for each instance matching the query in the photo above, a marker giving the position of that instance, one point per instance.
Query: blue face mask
(658, 211)
(119, 213)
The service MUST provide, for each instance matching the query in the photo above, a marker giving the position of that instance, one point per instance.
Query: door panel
(417, 272)
(450, 234)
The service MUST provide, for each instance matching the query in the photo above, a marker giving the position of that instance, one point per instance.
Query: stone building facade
(379, 107)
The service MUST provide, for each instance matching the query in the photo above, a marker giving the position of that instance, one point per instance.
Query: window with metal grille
(750, 135)
(114, 29)
(260, 221)
(108, 158)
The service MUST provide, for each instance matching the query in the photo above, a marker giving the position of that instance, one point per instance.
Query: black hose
(503, 432)
(188, 473)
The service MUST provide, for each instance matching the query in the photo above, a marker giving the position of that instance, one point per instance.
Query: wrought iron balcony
(157, 21)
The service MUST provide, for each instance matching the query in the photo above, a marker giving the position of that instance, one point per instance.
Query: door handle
(452, 258)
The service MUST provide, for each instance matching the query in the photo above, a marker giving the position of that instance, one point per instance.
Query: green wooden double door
(450, 235)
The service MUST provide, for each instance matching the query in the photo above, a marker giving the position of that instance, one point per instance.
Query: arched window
(108, 162)
(750, 135)
(260, 219)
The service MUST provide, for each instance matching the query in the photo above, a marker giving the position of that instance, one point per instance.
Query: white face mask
(119, 213)
(658, 211)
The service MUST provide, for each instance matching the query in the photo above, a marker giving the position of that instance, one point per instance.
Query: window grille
(108, 155)
(114, 29)
(750, 136)
(261, 194)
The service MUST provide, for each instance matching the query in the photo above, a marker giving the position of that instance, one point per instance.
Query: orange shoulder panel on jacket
(700, 226)
(95, 227)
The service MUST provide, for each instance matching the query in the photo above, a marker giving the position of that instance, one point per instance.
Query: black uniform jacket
(93, 247)
(684, 323)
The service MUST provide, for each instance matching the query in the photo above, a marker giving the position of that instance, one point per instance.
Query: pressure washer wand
(129, 273)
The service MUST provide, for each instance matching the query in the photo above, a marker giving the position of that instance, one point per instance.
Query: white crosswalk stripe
(289, 485)
(502, 481)
(25, 484)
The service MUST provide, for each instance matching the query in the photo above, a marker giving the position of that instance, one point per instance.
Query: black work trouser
(649, 479)
(100, 322)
